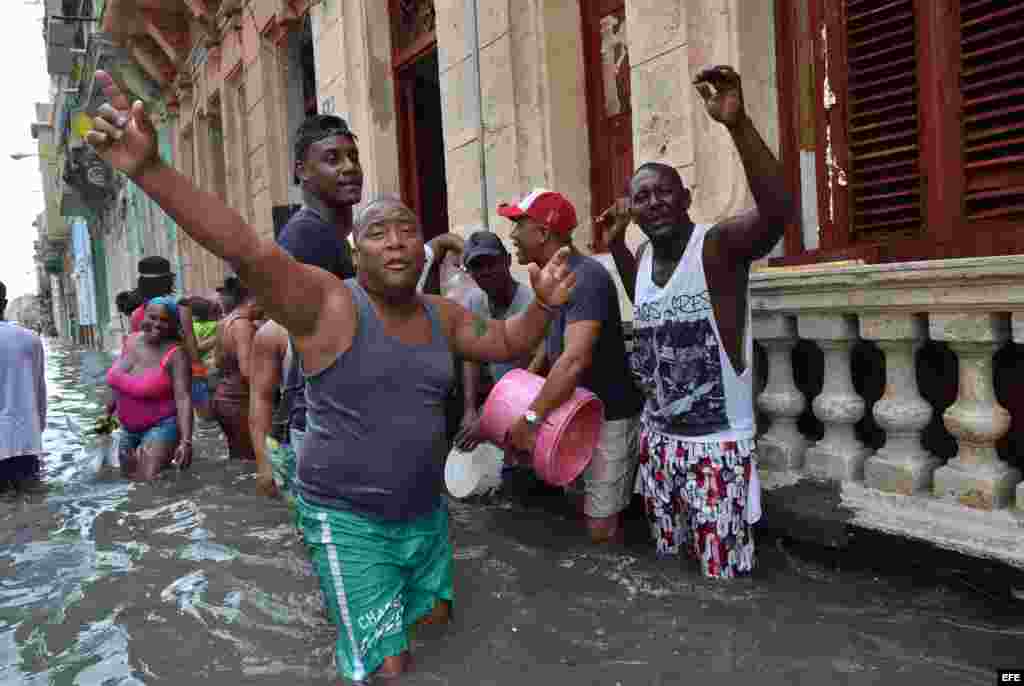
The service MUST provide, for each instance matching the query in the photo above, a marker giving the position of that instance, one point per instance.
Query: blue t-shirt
(311, 240)
(595, 298)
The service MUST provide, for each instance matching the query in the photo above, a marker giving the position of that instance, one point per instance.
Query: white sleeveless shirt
(692, 390)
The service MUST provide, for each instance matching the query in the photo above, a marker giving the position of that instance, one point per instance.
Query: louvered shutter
(882, 127)
(992, 91)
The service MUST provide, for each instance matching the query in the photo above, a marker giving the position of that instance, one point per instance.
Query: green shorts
(377, 578)
(282, 464)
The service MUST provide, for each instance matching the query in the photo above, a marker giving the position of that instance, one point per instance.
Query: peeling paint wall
(533, 101)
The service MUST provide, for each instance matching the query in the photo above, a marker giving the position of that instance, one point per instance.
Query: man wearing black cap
(500, 297)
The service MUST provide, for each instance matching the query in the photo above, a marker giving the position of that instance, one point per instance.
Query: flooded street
(196, 577)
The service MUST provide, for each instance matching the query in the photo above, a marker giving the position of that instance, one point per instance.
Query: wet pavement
(196, 578)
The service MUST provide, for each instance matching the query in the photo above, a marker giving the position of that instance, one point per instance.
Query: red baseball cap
(551, 209)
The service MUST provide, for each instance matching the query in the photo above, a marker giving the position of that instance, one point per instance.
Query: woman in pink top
(152, 382)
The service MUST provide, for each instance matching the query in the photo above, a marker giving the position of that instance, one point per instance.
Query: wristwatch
(532, 418)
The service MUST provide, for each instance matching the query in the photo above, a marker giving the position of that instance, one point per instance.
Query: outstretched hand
(123, 134)
(725, 103)
(553, 284)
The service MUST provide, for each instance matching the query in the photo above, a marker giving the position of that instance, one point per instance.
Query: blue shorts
(200, 391)
(164, 431)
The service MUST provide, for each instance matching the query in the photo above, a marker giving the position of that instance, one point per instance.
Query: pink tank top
(143, 399)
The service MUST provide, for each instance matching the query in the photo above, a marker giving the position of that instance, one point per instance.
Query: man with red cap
(584, 347)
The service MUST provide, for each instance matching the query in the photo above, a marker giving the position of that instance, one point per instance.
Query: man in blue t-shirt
(584, 347)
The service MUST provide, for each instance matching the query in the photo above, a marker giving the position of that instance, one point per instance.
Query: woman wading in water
(231, 399)
(152, 383)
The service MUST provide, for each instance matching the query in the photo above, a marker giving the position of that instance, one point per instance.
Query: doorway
(610, 116)
(421, 143)
(420, 126)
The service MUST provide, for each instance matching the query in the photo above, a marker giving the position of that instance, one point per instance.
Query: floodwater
(196, 578)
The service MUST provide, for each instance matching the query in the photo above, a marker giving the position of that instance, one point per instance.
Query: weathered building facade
(96, 226)
(888, 319)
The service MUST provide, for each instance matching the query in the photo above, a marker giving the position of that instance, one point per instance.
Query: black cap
(232, 285)
(482, 243)
(154, 266)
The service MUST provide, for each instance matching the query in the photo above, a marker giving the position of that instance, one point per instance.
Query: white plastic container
(473, 473)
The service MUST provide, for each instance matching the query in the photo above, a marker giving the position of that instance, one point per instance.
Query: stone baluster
(976, 477)
(902, 465)
(839, 454)
(782, 445)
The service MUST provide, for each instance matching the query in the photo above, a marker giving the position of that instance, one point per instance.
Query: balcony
(896, 393)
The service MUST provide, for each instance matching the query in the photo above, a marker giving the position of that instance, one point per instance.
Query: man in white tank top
(692, 343)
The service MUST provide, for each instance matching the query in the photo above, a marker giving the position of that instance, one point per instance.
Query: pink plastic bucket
(567, 438)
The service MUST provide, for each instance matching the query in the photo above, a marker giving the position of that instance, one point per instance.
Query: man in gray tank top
(378, 535)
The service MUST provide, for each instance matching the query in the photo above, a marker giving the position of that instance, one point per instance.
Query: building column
(975, 477)
(902, 465)
(781, 446)
(839, 454)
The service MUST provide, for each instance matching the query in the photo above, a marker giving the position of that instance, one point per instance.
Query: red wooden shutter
(992, 88)
(882, 126)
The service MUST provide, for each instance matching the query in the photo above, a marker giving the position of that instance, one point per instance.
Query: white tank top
(692, 390)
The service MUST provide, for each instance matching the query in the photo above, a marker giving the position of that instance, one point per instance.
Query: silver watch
(532, 418)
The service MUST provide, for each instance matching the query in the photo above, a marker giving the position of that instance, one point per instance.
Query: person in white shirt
(22, 401)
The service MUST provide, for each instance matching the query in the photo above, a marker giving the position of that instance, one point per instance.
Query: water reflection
(195, 578)
(88, 561)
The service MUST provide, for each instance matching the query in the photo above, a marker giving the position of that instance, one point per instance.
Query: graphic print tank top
(692, 390)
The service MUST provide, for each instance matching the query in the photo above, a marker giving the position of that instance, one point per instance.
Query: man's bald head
(384, 210)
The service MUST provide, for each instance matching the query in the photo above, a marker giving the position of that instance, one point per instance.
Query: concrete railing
(975, 307)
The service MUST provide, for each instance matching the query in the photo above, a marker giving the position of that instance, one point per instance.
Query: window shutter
(882, 126)
(992, 90)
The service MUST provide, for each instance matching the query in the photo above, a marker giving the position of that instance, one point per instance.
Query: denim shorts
(200, 391)
(164, 431)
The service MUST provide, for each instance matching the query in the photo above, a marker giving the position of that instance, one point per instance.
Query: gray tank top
(375, 424)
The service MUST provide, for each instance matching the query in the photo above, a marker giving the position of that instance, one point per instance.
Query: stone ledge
(991, 283)
(988, 534)
(825, 512)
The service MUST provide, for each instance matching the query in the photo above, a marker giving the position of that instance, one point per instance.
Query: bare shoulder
(271, 337)
(729, 239)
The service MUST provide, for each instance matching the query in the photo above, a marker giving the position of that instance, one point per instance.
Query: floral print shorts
(695, 494)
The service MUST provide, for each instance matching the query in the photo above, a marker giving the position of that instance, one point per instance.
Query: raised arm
(753, 234)
(292, 293)
(618, 218)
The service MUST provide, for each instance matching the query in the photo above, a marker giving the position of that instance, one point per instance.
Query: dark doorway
(421, 141)
(609, 116)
